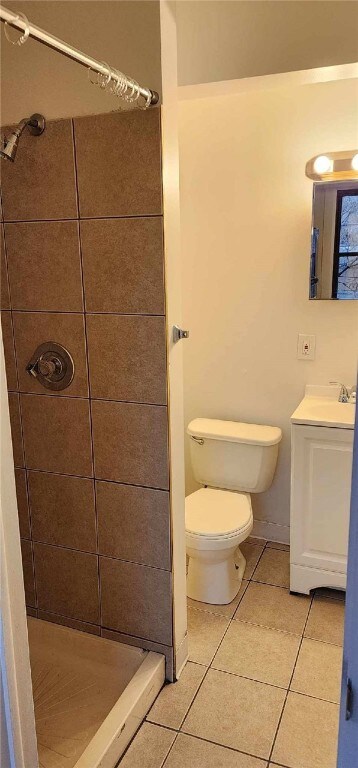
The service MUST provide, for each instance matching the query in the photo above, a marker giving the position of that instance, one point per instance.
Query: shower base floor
(90, 695)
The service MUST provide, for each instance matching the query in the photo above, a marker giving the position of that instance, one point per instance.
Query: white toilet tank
(233, 455)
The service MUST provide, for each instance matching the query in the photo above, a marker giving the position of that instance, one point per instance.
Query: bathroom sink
(321, 407)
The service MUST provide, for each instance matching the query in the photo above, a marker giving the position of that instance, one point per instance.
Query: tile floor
(261, 687)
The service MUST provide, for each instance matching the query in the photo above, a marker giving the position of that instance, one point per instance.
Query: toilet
(230, 460)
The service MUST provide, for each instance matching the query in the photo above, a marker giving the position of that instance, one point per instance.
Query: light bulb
(322, 164)
(355, 162)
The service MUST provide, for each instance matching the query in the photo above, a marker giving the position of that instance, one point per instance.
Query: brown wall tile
(119, 164)
(41, 184)
(81, 626)
(62, 510)
(67, 582)
(44, 266)
(134, 524)
(16, 435)
(22, 503)
(130, 443)
(127, 358)
(34, 328)
(57, 434)
(123, 277)
(148, 645)
(28, 573)
(9, 350)
(136, 600)
(123, 265)
(4, 287)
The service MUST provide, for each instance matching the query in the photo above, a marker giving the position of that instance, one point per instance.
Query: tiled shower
(83, 266)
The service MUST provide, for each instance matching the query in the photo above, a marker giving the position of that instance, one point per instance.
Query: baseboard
(264, 529)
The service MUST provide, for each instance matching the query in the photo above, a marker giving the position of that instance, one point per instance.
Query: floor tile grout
(218, 647)
(223, 746)
(291, 678)
(191, 704)
(253, 679)
(210, 666)
(267, 626)
(309, 696)
(169, 750)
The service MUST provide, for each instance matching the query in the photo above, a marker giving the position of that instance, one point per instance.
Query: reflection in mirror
(334, 244)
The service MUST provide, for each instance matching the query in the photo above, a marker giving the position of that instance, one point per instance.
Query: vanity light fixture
(323, 164)
(333, 166)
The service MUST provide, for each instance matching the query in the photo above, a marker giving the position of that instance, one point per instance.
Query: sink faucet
(344, 393)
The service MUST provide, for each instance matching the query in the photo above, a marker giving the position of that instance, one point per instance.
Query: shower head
(36, 125)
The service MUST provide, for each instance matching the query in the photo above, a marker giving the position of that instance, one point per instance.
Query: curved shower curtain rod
(120, 84)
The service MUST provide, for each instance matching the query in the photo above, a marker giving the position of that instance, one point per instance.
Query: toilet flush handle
(198, 440)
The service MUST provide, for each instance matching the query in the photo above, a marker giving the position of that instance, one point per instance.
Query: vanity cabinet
(321, 471)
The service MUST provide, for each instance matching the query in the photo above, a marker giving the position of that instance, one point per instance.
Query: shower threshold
(90, 695)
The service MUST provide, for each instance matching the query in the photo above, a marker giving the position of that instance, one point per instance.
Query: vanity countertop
(321, 407)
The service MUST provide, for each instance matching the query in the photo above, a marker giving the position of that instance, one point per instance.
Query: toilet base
(215, 577)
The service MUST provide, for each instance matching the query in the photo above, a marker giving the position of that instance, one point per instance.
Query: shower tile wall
(83, 266)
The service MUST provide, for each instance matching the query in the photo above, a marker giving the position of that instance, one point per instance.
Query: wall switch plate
(306, 347)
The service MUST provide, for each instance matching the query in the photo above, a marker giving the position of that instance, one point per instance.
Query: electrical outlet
(306, 347)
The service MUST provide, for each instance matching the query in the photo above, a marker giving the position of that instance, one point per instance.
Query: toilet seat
(216, 515)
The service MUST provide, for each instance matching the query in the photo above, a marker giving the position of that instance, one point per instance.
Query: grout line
(195, 697)
(245, 677)
(291, 678)
(82, 312)
(267, 626)
(159, 645)
(166, 728)
(269, 583)
(96, 554)
(326, 642)
(322, 642)
(209, 667)
(28, 503)
(207, 741)
(258, 561)
(69, 618)
(170, 749)
(99, 587)
(276, 586)
(87, 397)
(84, 218)
(315, 698)
(31, 534)
(224, 746)
(90, 477)
(217, 649)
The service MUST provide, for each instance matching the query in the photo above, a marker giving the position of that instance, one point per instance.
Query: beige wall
(219, 40)
(245, 212)
(36, 79)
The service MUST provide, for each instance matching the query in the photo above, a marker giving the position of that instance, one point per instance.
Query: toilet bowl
(216, 522)
(231, 460)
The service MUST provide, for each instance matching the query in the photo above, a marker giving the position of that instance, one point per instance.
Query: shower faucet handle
(49, 366)
(52, 366)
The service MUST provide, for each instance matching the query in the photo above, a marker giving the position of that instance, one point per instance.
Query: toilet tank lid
(234, 431)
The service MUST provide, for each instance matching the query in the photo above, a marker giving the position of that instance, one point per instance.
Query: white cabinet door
(320, 496)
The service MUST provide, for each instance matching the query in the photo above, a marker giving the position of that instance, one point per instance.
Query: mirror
(334, 242)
